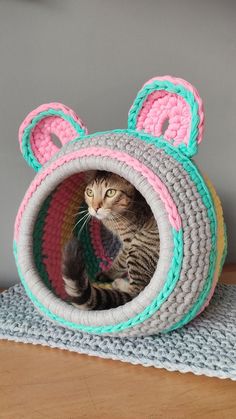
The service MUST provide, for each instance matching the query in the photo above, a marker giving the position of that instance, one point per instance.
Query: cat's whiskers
(80, 212)
(84, 224)
(81, 219)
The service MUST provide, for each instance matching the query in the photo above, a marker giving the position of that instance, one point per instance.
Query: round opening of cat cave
(64, 219)
(54, 214)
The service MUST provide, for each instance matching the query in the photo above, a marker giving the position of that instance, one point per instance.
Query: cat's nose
(96, 207)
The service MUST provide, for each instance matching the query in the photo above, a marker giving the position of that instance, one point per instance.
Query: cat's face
(108, 195)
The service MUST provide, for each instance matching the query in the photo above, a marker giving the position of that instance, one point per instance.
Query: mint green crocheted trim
(26, 146)
(192, 147)
(172, 278)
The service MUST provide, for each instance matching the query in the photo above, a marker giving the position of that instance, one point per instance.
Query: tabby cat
(123, 211)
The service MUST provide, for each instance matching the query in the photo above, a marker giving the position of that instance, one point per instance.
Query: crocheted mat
(205, 346)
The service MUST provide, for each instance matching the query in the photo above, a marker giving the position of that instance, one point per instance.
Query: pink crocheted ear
(170, 108)
(45, 130)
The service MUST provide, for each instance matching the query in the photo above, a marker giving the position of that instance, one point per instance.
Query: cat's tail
(80, 291)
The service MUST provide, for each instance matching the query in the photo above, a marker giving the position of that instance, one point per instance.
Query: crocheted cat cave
(157, 161)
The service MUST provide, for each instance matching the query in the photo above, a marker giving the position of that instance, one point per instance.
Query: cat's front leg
(140, 268)
(126, 284)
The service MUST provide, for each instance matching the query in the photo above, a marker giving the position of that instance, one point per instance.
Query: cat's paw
(121, 284)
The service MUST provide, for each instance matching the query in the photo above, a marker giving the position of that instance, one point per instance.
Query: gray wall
(94, 56)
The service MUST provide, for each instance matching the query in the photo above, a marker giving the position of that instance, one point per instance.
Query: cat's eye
(110, 193)
(89, 192)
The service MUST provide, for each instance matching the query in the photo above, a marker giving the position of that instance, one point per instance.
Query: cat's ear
(170, 108)
(45, 130)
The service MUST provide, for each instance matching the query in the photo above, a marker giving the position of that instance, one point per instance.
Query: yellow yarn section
(220, 225)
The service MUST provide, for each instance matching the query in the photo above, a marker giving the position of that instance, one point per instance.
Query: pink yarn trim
(153, 180)
(40, 139)
(173, 108)
(161, 107)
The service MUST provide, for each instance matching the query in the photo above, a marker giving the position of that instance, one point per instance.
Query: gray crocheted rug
(205, 346)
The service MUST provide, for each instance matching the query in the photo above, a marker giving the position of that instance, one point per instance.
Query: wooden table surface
(38, 382)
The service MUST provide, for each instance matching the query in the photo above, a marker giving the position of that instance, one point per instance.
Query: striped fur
(128, 216)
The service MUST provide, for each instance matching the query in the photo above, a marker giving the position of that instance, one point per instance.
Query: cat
(124, 211)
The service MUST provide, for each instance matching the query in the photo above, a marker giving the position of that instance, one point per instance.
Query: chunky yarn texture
(158, 162)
